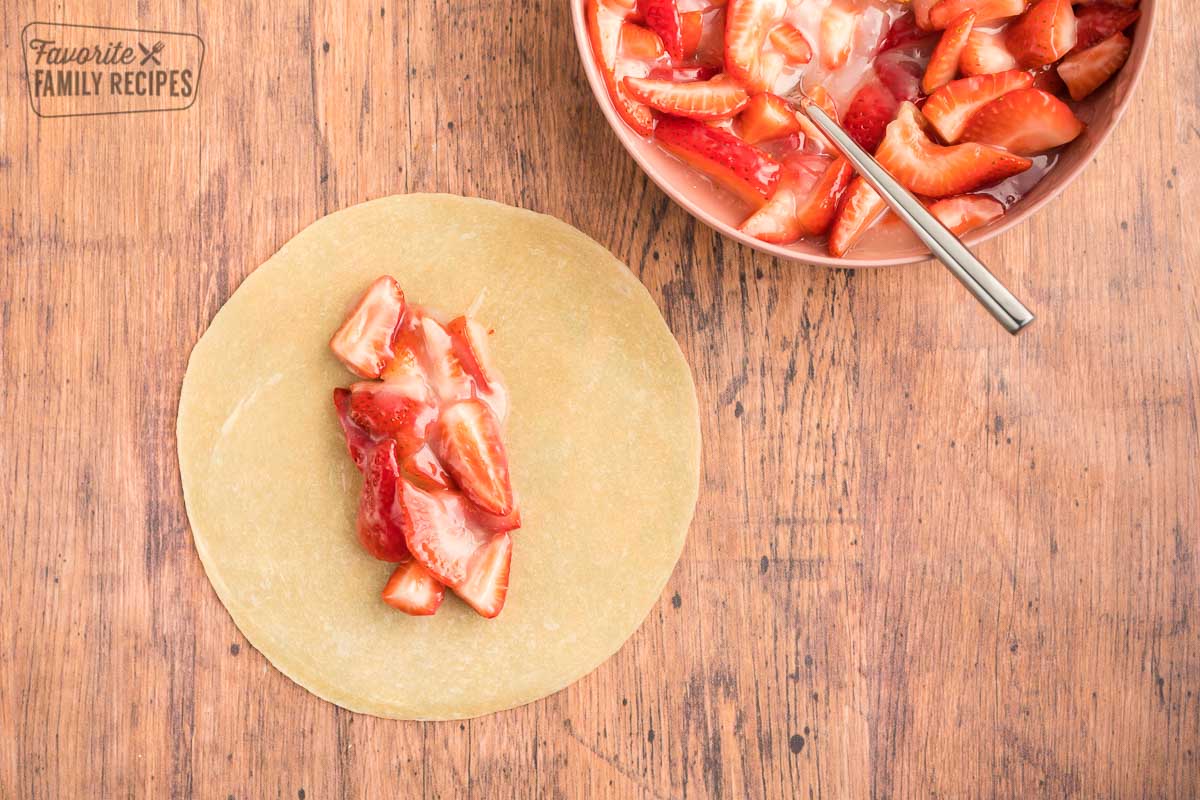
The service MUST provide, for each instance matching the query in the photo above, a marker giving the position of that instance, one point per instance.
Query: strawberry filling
(437, 497)
(716, 83)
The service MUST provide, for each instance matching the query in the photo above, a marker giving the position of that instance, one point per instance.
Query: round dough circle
(603, 440)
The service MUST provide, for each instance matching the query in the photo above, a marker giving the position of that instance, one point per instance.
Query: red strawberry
(929, 169)
(447, 376)
(747, 23)
(903, 31)
(684, 74)
(478, 518)
(470, 342)
(867, 118)
(691, 31)
(788, 40)
(1025, 122)
(967, 212)
(662, 17)
(487, 577)
(921, 9)
(739, 167)
(961, 214)
(467, 442)
(947, 11)
(364, 341)
(860, 209)
(406, 346)
(400, 409)
(1084, 71)
(358, 440)
(986, 54)
(438, 534)
(1046, 78)
(604, 30)
(1044, 34)
(413, 590)
(1099, 21)
(717, 98)
(641, 43)
(819, 97)
(779, 220)
(943, 65)
(383, 523)
(949, 108)
(767, 116)
(901, 70)
(423, 470)
(817, 211)
(838, 24)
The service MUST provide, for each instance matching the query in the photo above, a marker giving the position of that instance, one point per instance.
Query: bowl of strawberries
(984, 109)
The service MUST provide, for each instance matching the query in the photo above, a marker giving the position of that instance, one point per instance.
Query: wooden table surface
(928, 560)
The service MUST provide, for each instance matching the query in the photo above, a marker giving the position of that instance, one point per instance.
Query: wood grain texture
(928, 560)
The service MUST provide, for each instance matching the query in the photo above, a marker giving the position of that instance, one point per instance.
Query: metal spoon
(947, 247)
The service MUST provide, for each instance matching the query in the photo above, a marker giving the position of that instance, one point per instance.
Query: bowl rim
(627, 136)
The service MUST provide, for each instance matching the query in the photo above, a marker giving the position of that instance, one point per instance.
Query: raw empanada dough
(603, 438)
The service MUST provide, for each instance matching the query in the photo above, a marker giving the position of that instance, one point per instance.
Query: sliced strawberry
(604, 30)
(662, 17)
(468, 443)
(967, 212)
(413, 590)
(929, 169)
(838, 24)
(1044, 34)
(718, 98)
(946, 12)
(487, 577)
(493, 523)
(943, 65)
(401, 410)
(364, 341)
(921, 10)
(860, 209)
(747, 23)
(407, 346)
(423, 470)
(1099, 21)
(816, 213)
(819, 97)
(904, 31)
(682, 74)
(470, 341)
(1025, 122)
(739, 167)
(779, 220)
(691, 32)
(383, 523)
(1046, 78)
(788, 40)
(867, 118)
(961, 214)
(444, 371)
(641, 43)
(900, 70)
(950, 107)
(766, 117)
(1084, 71)
(359, 441)
(438, 534)
(986, 54)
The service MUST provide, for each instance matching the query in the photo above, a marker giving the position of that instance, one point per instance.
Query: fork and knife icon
(151, 53)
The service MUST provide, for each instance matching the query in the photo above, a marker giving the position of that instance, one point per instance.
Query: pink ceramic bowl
(1101, 112)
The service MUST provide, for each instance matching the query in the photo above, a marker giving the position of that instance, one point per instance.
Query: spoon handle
(947, 247)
